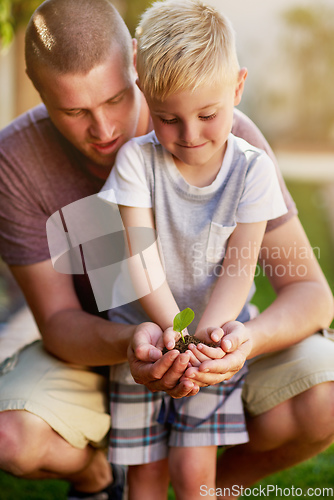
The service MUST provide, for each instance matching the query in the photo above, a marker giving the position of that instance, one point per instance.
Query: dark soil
(189, 339)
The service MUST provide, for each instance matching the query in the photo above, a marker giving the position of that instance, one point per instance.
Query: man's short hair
(182, 45)
(73, 36)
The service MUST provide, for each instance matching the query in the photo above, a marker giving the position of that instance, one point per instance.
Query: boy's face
(194, 125)
(98, 111)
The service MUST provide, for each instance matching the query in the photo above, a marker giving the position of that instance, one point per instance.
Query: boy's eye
(168, 122)
(208, 117)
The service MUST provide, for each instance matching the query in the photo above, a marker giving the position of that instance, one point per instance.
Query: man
(81, 59)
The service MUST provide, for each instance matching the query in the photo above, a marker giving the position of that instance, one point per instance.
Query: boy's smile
(193, 125)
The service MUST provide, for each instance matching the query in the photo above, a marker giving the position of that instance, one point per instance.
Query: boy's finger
(193, 361)
(169, 338)
(211, 352)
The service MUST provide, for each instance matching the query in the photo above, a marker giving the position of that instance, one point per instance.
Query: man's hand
(157, 372)
(237, 344)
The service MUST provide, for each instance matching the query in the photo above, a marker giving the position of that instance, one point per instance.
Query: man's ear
(134, 46)
(240, 86)
(37, 87)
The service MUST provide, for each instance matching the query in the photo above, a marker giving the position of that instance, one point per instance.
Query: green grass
(12, 488)
(315, 473)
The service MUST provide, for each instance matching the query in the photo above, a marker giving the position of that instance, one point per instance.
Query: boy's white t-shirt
(193, 223)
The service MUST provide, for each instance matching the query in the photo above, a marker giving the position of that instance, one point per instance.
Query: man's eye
(168, 122)
(208, 117)
(75, 114)
(116, 100)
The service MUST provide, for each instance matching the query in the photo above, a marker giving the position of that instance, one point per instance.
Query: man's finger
(235, 335)
(161, 367)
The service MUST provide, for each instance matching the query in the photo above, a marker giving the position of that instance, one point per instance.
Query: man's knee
(308, 417)
(22, 441)
(314, 412)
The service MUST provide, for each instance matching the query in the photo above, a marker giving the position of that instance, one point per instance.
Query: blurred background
(288, 48)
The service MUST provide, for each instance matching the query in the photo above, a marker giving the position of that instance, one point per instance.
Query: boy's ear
(240, 86)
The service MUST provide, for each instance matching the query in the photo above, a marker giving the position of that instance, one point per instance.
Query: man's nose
(101, 127)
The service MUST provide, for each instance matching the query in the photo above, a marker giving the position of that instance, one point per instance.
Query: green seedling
(182, 320)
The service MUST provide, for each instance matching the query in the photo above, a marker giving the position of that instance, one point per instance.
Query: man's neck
(145, 124)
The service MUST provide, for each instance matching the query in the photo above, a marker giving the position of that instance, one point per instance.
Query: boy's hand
(169, 338)
(237, 343)
(203, 352)
(210, 334)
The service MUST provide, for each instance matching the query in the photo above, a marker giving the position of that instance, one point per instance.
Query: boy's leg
(193, 472)
(214, 417)
(136, 438)
(148, 481)
(289, 397)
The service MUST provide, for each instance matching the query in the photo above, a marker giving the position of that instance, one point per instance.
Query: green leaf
(183, 319)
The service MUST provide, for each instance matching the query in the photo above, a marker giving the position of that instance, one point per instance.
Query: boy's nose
(189, 133)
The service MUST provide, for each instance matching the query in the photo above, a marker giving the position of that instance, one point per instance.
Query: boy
(208, 195)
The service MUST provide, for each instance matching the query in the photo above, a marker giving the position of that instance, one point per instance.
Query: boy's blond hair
(183, 45)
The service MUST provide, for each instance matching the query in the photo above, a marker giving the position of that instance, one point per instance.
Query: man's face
(98, 111)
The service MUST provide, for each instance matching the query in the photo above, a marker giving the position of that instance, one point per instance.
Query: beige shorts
(274, 378)
(70, 398)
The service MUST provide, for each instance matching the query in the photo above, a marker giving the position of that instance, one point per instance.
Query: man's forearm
(299, 310)
(68, 332)
(78, 337)
(304, 301)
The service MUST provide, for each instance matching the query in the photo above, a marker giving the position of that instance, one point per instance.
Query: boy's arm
(157, 301)
(233, 285)
(231, 290)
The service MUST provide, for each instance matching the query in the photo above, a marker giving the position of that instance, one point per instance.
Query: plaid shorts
(214, 417)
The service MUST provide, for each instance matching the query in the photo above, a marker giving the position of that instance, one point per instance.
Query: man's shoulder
(31, 141)
(246, 129)
(244, 151)
(35, 118)
(30, 135)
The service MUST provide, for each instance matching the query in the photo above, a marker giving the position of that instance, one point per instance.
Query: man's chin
(101, 160)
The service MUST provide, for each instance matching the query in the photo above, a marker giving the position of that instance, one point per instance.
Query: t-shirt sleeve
(262, 198)
(22, 223)
(127, 183)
